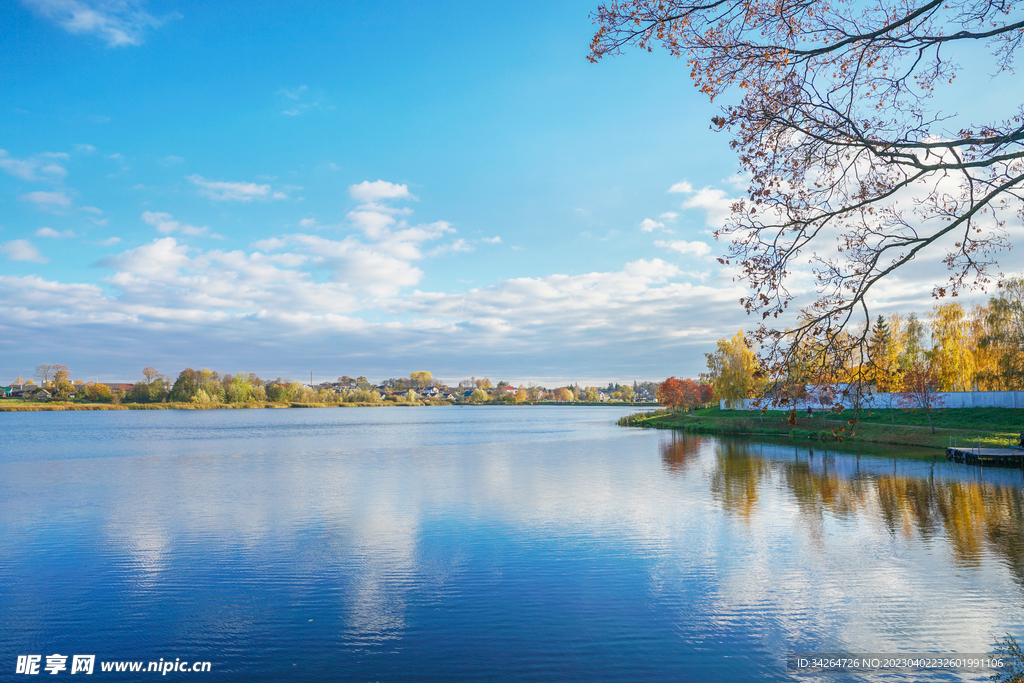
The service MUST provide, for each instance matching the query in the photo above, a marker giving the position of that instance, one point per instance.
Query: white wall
(941, 399)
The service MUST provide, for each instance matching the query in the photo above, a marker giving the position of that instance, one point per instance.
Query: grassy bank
(993, 426)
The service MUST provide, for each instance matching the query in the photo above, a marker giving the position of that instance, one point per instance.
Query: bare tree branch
(851, 171)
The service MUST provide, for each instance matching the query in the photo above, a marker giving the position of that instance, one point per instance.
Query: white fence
(941, 399)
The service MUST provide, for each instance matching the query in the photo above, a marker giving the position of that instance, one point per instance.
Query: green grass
(993, 426)
(963, 419)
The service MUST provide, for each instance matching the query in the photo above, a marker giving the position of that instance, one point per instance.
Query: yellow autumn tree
(986, 356)
(951, 354)
(732, 369)
(1005, 333)
(563, 395)
(422, 379)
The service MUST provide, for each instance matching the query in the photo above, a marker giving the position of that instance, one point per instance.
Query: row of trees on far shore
(206, 386)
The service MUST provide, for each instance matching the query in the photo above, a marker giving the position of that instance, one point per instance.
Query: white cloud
(85, 149)
(54, 170)
(270, 244)
(48, 199)
(21, 250)
(655, 269)
(292, 94)
(648, 225)
(378, 190)
(682, 187)
(380, 267)
(378, 262)
(157, 259)
(50, 232)
(369, 268)
(557, 321)
(716, 204)
(314, 224)
(375, 224)
(291, 112)
(289, 290)
(168, 282)
(116, 22)
(166, 225)
(164, 282)
(108, 242)
(459, 245)
(669, 216)
(221, 190)
(17, 167)
(39, 167)
(684, 247)
(740, 181)
(173, 159)
(566, 314)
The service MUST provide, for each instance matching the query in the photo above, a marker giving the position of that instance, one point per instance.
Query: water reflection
(738, 477)
(505, 544)
(680, 451)
(977, 517)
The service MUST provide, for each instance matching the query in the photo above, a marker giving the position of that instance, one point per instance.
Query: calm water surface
(492, 543)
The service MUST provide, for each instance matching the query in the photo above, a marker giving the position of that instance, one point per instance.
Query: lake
(487, 543)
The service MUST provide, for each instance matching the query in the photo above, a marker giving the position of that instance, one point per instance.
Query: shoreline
(56, 406)
(990, 429)
(65, 407)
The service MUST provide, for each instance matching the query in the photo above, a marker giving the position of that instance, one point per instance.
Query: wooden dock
(986, 457)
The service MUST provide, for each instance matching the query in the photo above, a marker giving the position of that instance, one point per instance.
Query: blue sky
(351, 189)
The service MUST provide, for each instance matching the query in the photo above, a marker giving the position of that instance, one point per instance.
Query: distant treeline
(207, 387)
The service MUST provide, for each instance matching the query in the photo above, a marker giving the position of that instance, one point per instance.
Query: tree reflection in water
(737, 477)
(680, 451)
(977, 516)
